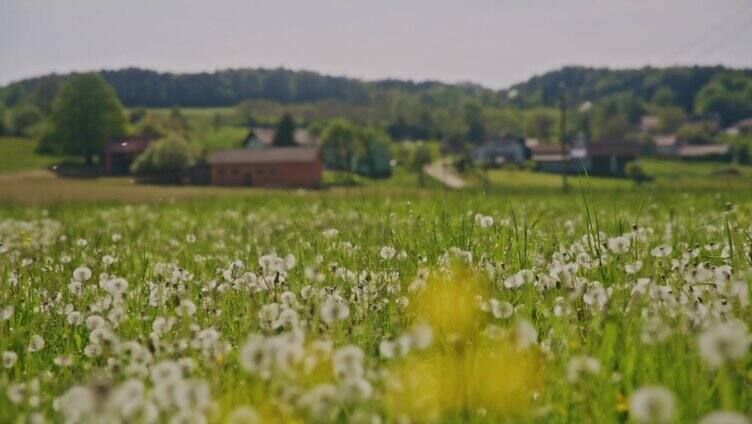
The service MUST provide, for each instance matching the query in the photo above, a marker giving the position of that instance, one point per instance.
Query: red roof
(546, 149)
(269, 155)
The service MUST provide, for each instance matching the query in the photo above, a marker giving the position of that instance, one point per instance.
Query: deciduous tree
(85, 114)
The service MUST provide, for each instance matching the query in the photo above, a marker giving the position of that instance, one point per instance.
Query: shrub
(422, 156)
(635, 171)
(149, 126)
(167, 160)
(23, 118)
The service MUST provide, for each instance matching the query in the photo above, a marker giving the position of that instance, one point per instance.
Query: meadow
(376, 300)
(379, 305)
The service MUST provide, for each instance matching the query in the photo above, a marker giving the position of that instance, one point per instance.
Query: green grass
(666, 174)
(185, 253)
(19, 154)
(661, 168)
(528, 180)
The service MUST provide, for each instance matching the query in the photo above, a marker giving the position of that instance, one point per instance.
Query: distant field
(17, 154)
(667, 174)
(211, 128)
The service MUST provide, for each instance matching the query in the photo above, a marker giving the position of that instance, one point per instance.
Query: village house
(666, 146)
(604, 158)
(269, 167)
(119, 154)
(672, 147)
(719, 152)
(742, 127)
(500, 151)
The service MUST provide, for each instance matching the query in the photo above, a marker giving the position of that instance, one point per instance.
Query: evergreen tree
(285, 134)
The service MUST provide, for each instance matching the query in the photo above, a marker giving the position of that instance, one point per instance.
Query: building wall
(569, 166)
(511, 152)
(293, 174)
(612, 165)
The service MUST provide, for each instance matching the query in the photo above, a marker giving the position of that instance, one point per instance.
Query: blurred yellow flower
(449, 305)
(463, 373)
(498, 380)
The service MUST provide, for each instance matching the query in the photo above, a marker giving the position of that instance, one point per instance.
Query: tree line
(456, 113)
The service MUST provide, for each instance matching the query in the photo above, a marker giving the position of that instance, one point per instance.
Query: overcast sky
(495, 43)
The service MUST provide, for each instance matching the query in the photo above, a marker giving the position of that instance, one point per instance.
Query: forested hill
(723, 91)
(676, 86)
(140, 87)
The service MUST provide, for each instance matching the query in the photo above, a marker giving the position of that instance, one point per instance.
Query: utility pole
(562, 136)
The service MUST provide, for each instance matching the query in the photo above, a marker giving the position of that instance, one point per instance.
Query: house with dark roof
(672, 147)
(268, 167)
(597, 158)
(119, 153)
(741, 127)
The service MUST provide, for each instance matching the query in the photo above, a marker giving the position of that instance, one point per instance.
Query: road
(444, 174)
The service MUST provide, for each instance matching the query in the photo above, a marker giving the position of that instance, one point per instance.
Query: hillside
(141, 87)
(431, 109)
(582, 83)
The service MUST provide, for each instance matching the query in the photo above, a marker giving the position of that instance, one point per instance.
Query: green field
(19, 154)
(375, 300)
(369, 304)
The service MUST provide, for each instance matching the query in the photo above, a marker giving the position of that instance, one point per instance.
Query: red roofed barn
(271, 167)
(119, 153)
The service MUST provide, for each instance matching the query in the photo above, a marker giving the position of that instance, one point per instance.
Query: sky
(494, 43)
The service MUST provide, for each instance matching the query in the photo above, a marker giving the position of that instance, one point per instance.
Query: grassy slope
(18, 154)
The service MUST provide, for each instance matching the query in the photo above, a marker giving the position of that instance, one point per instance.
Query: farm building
(500, 151)
(720, 152)
(261, 137)
(610, 158)
(119, 154)
(605, 158)
(666, 146)
(669, 146)
(269, 167)
(742, 127)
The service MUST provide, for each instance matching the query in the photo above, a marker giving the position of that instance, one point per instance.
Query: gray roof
(704, 150)
(271, 155)
(744, 123)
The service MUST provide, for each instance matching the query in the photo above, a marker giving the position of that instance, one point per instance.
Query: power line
(707, 34)
(737, 30)
(698, 41)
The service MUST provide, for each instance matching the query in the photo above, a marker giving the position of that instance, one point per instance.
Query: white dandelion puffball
(726, 342)
(652, 404)
(579, 367)
(81, 274)
(725, 417)
(333, 311)
(387, 252)
(619, 244)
